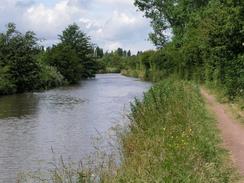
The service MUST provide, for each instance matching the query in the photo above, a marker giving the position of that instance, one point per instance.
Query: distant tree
(120, 52)
(99, 52)
(124, 53)
(129, 53)
(80, 42)
(139, 52)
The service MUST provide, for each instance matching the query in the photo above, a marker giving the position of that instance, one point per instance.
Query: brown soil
(231, 130)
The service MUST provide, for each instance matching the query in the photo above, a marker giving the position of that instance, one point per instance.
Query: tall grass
(134, 73)
(172, 138)
(153, 74)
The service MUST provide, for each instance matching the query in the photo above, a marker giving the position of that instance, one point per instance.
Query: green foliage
(50, 77)
(21, 64)
(7, 85)
(26, 66)
(114, 61)
(149, 65)
(67, 62)
(235, 77)
(99, 52)
(168, 14)
(206, 44)
(17, 54)
(73, 37)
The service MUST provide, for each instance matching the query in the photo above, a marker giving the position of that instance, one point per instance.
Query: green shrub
(50, 77)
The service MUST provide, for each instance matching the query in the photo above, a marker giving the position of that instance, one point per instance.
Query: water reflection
(18, 105)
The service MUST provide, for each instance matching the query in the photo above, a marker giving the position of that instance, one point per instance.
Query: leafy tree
(129, 53)
(18, 58)
(67, 62)
(168, 14)
(77, 40)
(27, 66)
(99, 52)
(120, 52)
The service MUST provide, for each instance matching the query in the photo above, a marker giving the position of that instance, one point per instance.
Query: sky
(109, 23)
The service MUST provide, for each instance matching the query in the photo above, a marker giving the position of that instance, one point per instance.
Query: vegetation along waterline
(26, 66)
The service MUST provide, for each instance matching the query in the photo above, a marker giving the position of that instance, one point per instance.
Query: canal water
(37, 127)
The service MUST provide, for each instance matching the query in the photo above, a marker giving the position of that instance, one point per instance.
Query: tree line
(199, 40)
(25, 65)
(113, 61)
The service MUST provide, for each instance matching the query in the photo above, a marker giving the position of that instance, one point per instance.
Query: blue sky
(110, 23)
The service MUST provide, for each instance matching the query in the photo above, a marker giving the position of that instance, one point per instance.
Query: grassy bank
(107, 70)
(172, 138)
(151, 75)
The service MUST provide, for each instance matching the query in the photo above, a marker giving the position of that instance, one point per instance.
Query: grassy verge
(109, 70)
(134, 73)
(150, 75)
(172, 138)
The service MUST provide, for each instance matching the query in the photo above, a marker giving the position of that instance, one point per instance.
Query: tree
(77, 40)
(168, 15)
(67, 62)
(18, 58)
(129, 53)
(120, 52)
(99, 52)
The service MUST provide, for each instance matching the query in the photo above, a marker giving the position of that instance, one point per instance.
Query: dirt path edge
(232, 131)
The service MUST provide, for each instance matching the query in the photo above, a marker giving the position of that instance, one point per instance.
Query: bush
(50, 77)
(235, 78)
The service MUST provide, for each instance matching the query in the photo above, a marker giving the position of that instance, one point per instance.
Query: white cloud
(110, 23)
(48, 21)
(116, 1)
(113, 45)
